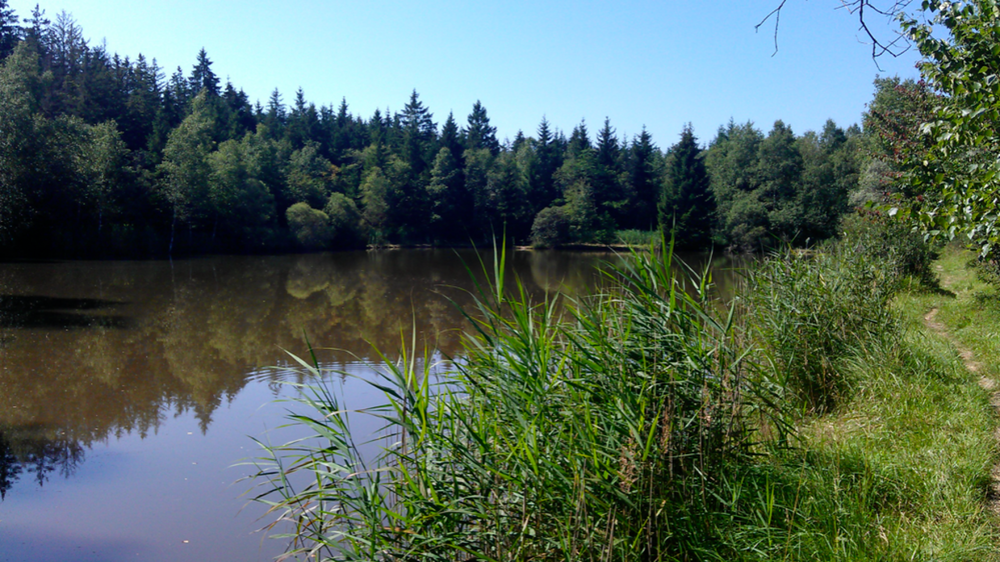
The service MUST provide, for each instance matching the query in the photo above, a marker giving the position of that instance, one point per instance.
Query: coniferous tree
(644, 183)
(303, 123)
(542, 190)
(10, 33)
(142, 104)
(180, 91)
(418, 134)
(96, 111)
(342, 140)
(202, 76)
(480, 134)
(240, 113)
(610, 195)
(451, 137)
(579, 140)
(36, 30)
(687, 206)
(275, 117)
(519, 141)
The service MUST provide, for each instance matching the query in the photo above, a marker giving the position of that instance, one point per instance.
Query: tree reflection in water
(36, 454)
(92, 350)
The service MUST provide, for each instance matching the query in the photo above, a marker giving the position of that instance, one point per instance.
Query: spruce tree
(579, 139)
(687, 206)
(10, 33)
(480, 134)
(202, 77)
(36, 30)
(419, 132)
(609, 193)
(542, 189)
(643, 183)
(451, 138)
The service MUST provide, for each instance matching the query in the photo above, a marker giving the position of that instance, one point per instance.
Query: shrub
(345, 221)
(310, 227)
(893, 244)
(551, 228)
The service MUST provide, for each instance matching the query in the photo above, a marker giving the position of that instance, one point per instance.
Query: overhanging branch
(866, 11)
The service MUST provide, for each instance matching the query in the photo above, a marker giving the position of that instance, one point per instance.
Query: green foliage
(242, 204)
(812, 310)
(345, 222)
(894, 243)
(954, 183)
(19, 140)
(644, 178)
(480, 134)
(731, 162)
(451, 204)
(593, 438)
(829, 173)
(551, 228)
(184, 171)
(308, 176)
(310, 227)
(58, 85)
(374, 191)
(637, 238)
(781, 189)
(650, 423)
(506, 200)
(892, 122)
(687, 207)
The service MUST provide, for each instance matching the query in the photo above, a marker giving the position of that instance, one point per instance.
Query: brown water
(129, 391)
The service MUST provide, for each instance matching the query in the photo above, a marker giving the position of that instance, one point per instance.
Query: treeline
(101, 154)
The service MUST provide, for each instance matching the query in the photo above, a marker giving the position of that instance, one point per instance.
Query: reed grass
(803, 420)
(637, 238)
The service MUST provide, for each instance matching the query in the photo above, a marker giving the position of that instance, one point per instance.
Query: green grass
(813, 418)
(901, 471)
(636, 238)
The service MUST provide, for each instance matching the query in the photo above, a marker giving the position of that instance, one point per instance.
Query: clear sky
(655, 63)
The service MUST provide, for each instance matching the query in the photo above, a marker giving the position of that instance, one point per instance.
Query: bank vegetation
(806, 418)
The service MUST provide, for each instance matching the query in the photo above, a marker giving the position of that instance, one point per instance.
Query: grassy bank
(813, 417)
(901, 470)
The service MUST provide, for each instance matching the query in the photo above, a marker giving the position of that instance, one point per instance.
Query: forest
(108, 156)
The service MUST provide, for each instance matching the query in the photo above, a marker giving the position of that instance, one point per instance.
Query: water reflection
(32, 311)
(97, 350)
(36, 452)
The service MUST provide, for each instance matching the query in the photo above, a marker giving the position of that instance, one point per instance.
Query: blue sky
(655, 63)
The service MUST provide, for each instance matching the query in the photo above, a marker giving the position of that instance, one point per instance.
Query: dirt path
(987, 383)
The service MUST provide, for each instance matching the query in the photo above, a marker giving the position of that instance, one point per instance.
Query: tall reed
(593, 436)
(647, 422)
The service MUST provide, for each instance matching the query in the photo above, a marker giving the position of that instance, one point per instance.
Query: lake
(130, 391)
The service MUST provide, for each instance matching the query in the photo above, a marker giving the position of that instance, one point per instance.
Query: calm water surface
(129, 391)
